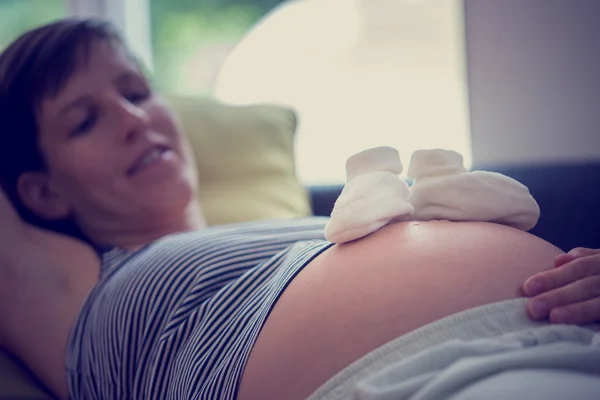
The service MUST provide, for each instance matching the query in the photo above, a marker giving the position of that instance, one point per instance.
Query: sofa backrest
(569, 200)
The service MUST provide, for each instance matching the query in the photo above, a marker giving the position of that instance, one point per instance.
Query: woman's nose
(133, 119)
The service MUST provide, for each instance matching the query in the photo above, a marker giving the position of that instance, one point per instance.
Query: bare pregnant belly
(356, 297)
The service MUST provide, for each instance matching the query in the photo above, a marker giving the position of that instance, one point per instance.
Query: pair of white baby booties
(442, 189)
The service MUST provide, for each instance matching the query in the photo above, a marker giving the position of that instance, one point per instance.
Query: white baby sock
(444, 189)
(374, 195)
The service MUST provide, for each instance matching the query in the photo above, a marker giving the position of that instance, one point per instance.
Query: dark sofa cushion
(569, 199)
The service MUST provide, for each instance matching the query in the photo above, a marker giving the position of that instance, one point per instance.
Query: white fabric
(372, 160)
(434, 163)
(374, 196)
(366, 204)
(472, 369)
(480, 323)
(444, 189)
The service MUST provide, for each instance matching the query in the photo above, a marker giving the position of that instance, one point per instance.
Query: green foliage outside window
(181, 29)
(18, 16)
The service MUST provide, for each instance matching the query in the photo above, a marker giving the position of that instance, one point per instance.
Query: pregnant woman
(133, 297)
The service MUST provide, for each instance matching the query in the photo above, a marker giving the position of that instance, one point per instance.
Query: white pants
(489, 352)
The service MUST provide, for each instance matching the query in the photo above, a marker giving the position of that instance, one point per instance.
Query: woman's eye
(137, 97)
(84, 126)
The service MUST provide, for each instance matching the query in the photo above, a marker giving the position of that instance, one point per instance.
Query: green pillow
(245, 160)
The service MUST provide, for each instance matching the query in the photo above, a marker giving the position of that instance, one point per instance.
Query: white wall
(534, 77)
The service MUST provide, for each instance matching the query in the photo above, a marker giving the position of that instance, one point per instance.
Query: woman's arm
(44, 279)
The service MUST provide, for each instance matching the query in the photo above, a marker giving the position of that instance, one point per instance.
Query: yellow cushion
(245, 160)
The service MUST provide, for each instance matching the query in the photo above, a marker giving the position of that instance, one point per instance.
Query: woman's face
(115, 154)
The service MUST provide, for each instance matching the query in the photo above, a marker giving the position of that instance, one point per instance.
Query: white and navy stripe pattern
(178, 318)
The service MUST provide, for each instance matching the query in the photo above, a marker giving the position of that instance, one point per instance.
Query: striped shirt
(178, 318)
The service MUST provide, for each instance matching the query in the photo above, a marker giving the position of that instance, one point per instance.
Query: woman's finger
(579, 252)
(570, 272)
(566, 297)
(562, 259)
(573, 254)
(580, 313)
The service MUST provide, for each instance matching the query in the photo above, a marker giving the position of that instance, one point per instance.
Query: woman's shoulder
(215, 240)
(314, 225)
(229, 249)
(220, 241)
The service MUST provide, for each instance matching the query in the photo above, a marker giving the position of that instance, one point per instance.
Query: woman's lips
(148, 158)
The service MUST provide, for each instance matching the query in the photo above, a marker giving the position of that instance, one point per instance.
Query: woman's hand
(569, 293)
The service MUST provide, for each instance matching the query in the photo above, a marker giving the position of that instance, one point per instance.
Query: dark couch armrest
(323, 198)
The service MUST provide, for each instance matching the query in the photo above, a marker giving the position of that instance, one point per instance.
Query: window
(19, 16)
(191, 38)
(360, 74)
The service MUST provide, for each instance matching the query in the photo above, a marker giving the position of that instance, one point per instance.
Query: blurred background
(189, 38)
(504, 82)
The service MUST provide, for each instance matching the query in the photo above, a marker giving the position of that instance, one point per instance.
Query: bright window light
(359, 73)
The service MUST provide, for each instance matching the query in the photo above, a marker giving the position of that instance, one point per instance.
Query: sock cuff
(376, 159)
(435, 162)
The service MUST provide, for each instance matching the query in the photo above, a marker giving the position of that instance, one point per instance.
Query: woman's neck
(133, 238)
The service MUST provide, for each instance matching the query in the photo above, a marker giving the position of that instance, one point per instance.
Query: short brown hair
(34, 67)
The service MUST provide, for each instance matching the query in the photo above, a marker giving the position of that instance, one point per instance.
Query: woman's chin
(172, 198)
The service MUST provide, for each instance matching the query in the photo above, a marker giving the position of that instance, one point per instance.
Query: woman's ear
(37, 194)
